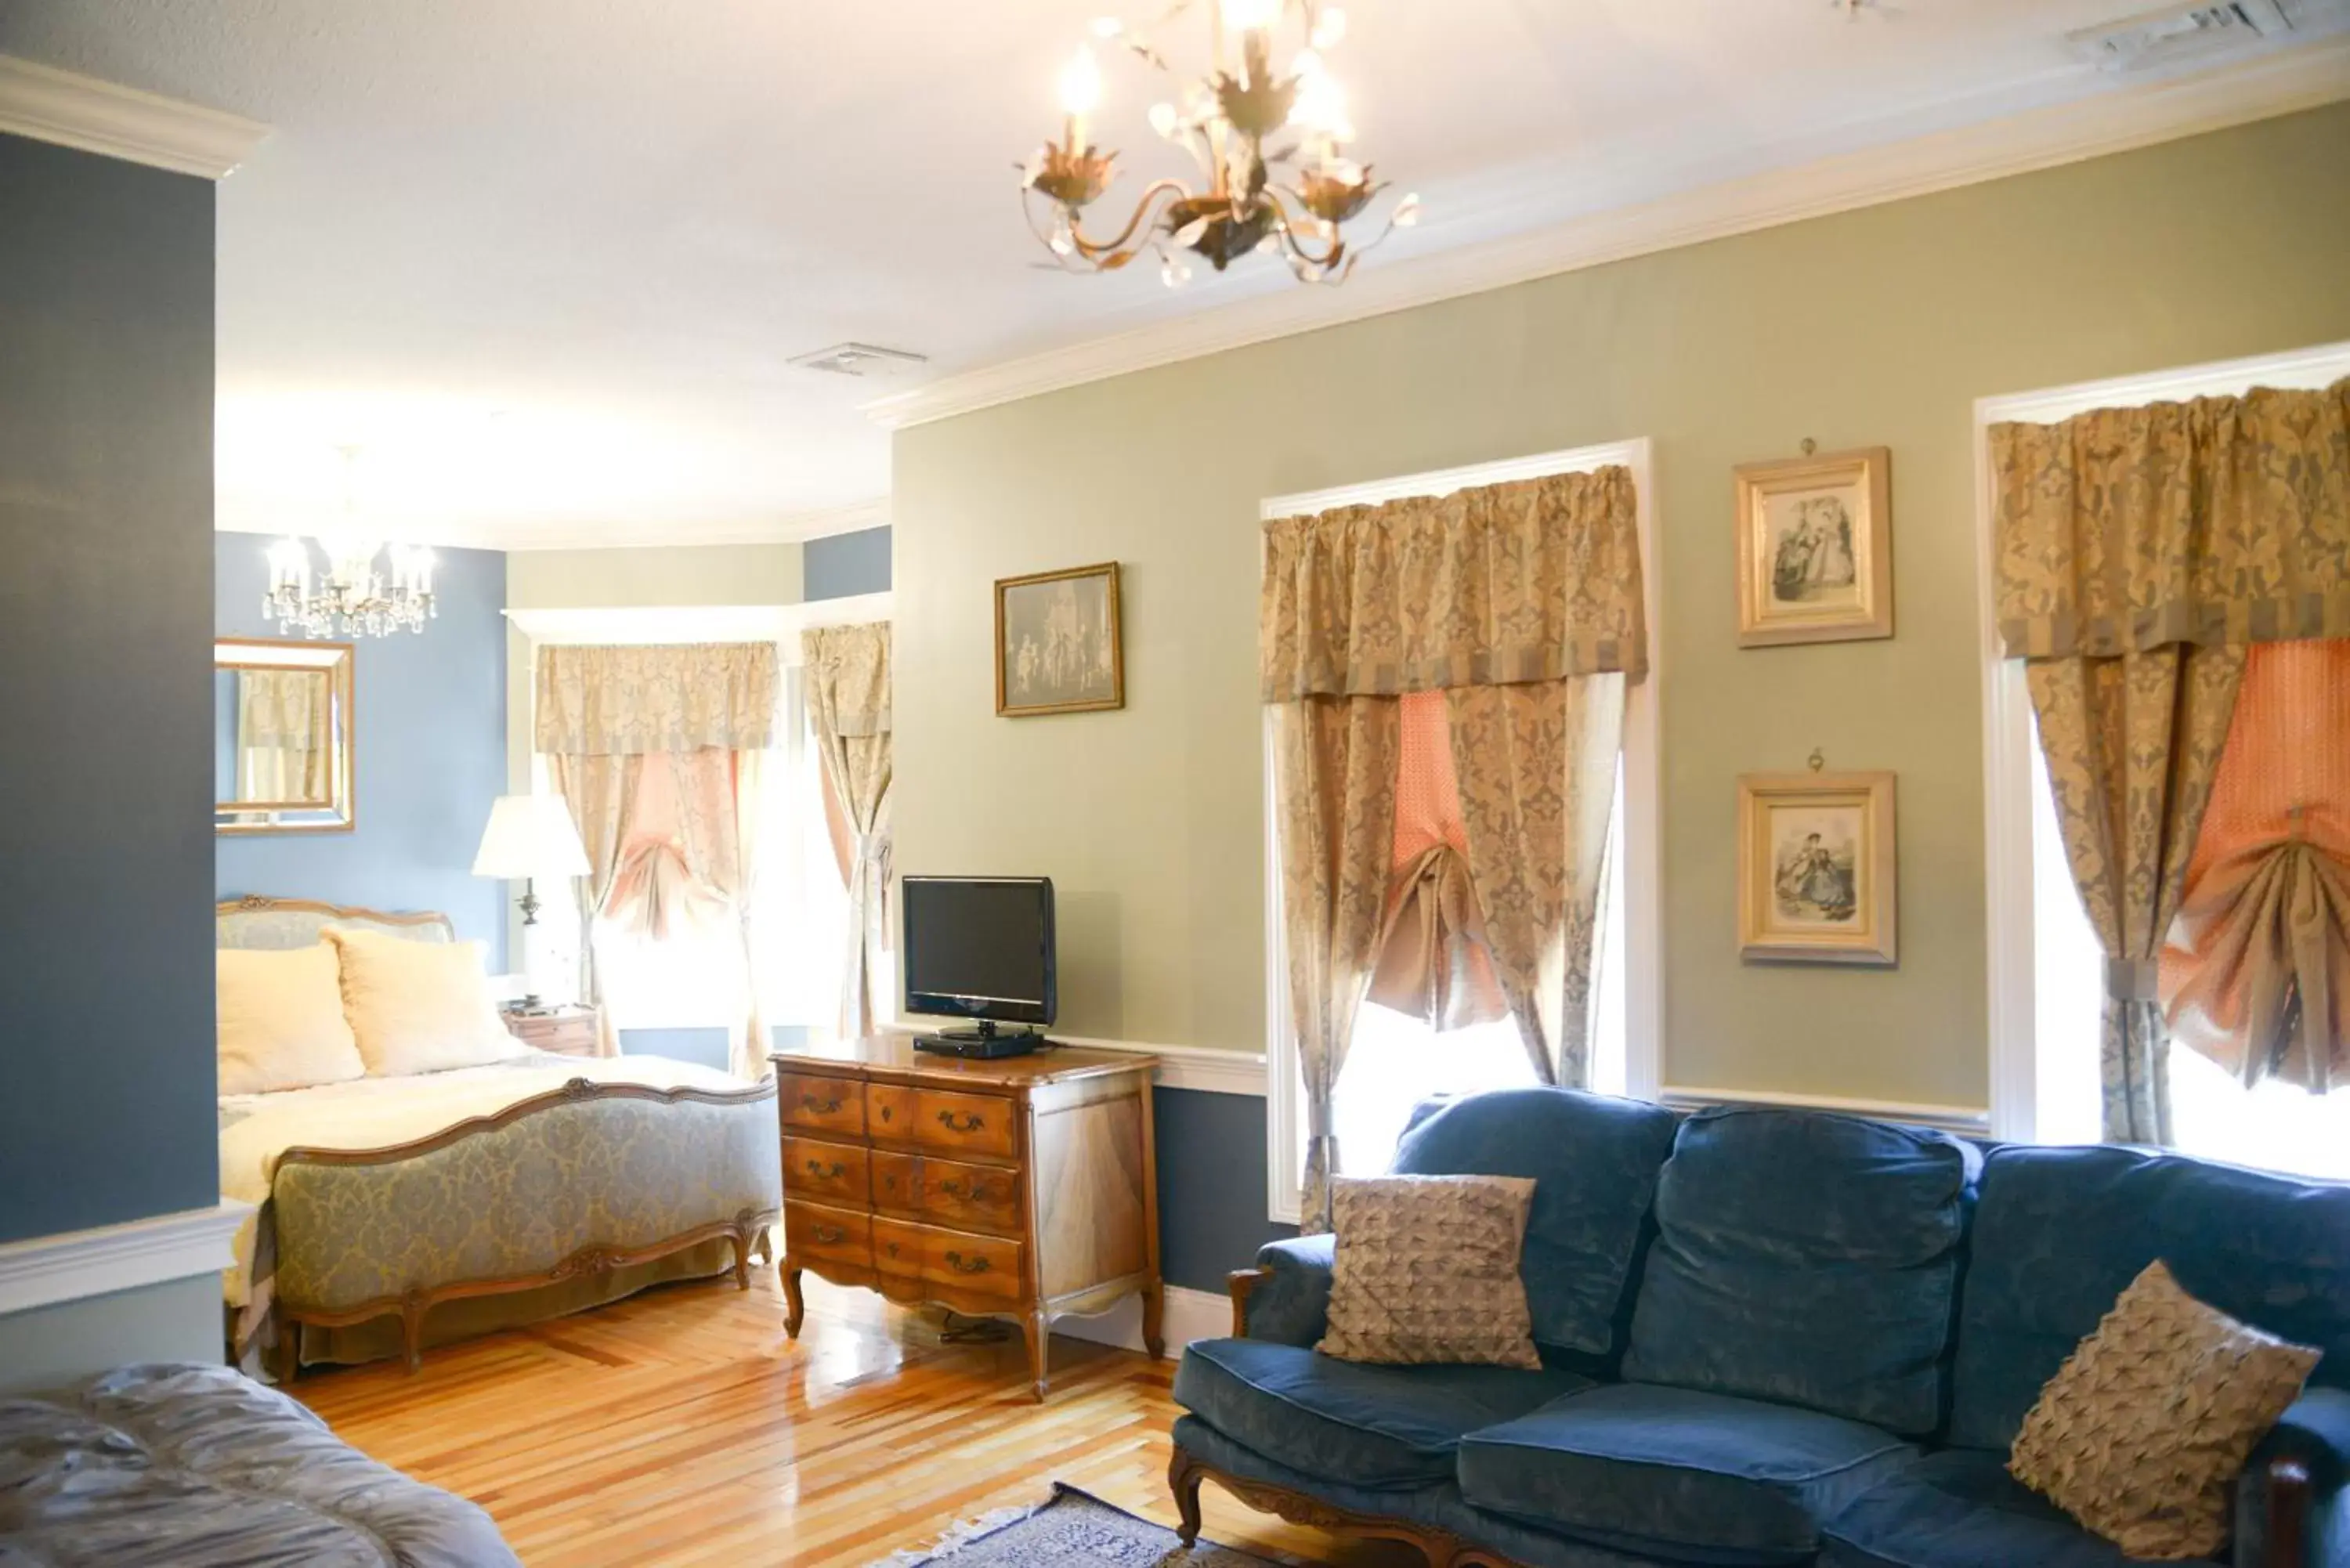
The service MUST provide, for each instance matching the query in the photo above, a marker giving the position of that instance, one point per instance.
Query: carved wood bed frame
(2287, 1509)
(749, 1231)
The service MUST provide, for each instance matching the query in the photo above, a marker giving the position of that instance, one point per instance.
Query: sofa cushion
(1676, 1474)
(2060, 1232)
(1960, 1508)
(1378, 1426)
(1594, 1159)
(1780, 1235)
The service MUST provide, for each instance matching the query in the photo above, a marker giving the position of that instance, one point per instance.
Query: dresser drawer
(982, 1265)
(955, 1194)
(980, 1126)
(825, 1172)
(821, 1105)
(844, 1235)
(897, 1182)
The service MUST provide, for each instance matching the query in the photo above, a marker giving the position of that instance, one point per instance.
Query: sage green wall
(1878, 326)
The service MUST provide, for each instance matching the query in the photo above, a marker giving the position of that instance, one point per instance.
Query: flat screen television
(980, 948)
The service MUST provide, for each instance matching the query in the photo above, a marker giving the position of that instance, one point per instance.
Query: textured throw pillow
(419, 1007)
(280, 1012)
(1427, 1270)
(2143, 1432)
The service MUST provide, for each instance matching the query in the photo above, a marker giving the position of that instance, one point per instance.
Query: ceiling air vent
(2183, 33)
(858, 359)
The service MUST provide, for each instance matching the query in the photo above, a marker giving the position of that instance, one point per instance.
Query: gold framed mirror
(282, 725)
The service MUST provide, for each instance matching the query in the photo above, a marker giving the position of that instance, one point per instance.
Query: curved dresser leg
(794, 1308)
(1154, 1312)
(1036, 1328)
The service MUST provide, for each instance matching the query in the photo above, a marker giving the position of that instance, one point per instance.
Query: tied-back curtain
(2256, 975)
(2141, 551)
(1522, 603)
(848, 681)
(702, 715)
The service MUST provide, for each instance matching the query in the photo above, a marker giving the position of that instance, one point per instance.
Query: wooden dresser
(568, 1030)
(1024, 1188)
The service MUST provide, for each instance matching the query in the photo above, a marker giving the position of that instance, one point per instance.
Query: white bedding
(372, 1113)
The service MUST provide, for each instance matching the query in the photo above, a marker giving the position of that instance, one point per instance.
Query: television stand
(985, 1041)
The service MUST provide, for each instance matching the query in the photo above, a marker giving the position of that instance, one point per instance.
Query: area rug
(1070, 1530)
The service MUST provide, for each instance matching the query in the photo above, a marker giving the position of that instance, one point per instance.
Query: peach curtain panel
(657, 750)
(2256, 975)
(1522, 605)
(847, 682)
(2140, 553)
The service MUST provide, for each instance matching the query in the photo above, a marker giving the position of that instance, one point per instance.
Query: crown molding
(2116, 120)
(71, 110)
(493, 534)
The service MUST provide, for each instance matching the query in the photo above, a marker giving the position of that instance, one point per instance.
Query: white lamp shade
(530, 835)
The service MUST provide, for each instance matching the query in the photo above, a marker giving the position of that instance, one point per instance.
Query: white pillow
(280, 1011)
(419, 1007)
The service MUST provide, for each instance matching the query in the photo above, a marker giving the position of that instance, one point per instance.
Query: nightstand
(567, 1031)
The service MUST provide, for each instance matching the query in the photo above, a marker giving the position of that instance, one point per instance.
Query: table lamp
(529, 836)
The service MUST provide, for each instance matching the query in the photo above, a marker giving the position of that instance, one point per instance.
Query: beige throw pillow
(419, 1007)
(280, 1017)
(2143, 1432)
(1427, 1270)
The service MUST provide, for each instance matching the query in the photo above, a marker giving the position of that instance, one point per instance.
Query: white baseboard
(1189, 1314)
(42, 1271)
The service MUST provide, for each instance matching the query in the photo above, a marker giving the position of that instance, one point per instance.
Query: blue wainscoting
(432, 755)
(1212, 1185)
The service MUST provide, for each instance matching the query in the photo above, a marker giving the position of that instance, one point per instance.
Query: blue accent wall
(1212, 1185)
(106, 519)
(840, 565)
(432, 755)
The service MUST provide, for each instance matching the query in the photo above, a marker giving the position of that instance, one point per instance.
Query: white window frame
(1643, 837)
(2015, 1062)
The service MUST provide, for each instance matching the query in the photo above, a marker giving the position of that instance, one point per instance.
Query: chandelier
(1267, 141)
(352, 597)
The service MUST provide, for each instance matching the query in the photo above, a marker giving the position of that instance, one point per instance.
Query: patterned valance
(848, 678)
(2221, 522)
(622, 702)
(1535, 580)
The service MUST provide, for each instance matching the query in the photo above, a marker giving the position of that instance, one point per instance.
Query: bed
(393, 1213)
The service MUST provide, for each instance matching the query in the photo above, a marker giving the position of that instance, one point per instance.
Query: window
(2047, 969)
(1395, 1060)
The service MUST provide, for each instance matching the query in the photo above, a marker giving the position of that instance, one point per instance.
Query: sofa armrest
(1286, 1295)
(2293, 1506)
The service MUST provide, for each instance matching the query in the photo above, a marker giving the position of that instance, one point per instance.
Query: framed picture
(1057, 642)
(1814, 549)
(1816, 868)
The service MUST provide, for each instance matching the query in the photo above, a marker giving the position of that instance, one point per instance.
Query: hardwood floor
(681, 1427)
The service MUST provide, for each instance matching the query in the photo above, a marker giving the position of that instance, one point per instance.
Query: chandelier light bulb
(1251, 15)
(1329, 27)
(1081, 83)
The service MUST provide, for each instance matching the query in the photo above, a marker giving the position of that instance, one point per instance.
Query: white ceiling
(544, 259)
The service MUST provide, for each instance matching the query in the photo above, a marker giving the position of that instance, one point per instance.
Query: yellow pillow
(419, 1007)
(281, 1021)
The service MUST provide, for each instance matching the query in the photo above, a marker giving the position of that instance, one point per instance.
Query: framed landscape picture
(1057, 642)
(1814, 549)
(1816, 868)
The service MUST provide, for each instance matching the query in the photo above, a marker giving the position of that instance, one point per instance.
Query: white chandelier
(352, 597)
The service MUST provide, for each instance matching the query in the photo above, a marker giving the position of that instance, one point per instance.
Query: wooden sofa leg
(2287, 1509)
(1184, 1478)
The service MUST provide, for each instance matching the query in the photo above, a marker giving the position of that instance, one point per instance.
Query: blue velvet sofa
(1769, 1337)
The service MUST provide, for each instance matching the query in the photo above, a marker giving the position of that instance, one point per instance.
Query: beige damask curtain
(848, 681)
(2140, 552)
(1524, 603)
(691, 722)
(285, 740)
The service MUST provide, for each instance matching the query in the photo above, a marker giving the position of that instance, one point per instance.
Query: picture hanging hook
(1817, 761)
(1809, 446)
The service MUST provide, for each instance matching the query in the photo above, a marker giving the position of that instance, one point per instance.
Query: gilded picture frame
(1059, 642)
(262, 798)
(1815, 548)
(1817, 869)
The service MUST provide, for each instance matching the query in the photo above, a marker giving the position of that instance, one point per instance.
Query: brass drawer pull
(830, 1235)
(832, 1172)
(969, 1124)
(893, 1248)
(954, 1189)
(821, 1107)
(885, 1113)
(962, 1265)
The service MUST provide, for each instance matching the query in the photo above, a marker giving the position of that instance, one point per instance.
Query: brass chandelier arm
(1142, 212)
(1289, 236)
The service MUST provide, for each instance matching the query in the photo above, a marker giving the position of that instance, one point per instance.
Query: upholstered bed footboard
(576, 1185)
